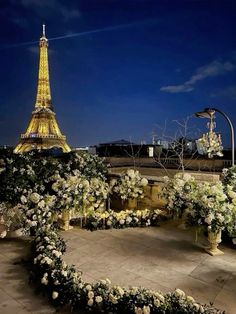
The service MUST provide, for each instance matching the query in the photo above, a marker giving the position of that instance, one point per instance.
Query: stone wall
(152, 197)
(212, 165)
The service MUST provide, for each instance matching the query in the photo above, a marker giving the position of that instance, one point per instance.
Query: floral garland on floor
(119, 220)
(65, 286)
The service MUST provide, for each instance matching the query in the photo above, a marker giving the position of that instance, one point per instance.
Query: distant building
(124, 148)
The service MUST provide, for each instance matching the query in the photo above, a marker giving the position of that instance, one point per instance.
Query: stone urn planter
(214, 238)
(65, 220)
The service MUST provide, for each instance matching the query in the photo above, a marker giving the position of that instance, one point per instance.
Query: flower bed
(119, 220)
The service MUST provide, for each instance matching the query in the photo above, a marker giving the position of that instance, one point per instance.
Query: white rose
(180, 293)
(138, 310)
(44, 281)
(88, 287)
(54, 295)
(23, 199)
(112, 299)
(120, 290)
(90, 302)
(144, 182)
(190, 299)
(90, 294)
(98, 299)
(146, 309)
(35, 197)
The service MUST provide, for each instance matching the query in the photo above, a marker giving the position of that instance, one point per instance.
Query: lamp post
(208, 113)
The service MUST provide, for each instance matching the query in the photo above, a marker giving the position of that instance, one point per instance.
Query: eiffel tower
(43, 131)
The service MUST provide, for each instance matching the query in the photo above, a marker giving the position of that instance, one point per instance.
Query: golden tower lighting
(43, 131)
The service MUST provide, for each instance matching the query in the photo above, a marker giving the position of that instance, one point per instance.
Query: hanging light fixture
(210, 143)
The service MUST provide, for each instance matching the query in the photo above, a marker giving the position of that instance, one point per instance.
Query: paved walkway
(160, 258)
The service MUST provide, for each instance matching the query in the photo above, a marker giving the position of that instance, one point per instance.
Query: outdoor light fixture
(209, 113)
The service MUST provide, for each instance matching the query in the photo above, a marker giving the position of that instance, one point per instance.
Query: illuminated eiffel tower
(43, 131)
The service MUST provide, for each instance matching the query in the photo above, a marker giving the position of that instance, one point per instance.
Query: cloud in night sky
(212, 69)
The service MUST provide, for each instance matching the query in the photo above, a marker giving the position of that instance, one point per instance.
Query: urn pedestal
(66, 221)
(214, 238)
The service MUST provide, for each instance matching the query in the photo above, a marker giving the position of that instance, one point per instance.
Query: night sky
(133, 65)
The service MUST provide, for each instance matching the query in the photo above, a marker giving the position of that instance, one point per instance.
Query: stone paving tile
(201, 291)
(212, 272)
(9, 306)
(230, 284)
(159, 258)
(226, 300)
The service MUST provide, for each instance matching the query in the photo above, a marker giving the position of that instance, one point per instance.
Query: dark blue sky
(168, 60)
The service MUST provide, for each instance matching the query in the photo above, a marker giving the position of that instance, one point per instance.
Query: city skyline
(118, 69)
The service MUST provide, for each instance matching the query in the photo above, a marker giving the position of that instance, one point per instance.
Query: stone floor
(160, 258)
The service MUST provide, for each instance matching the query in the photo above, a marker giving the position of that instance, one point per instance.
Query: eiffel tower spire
(43, 131)
(43, 98)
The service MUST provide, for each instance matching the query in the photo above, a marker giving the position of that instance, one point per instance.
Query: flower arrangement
(38, 210)
(66, 287)
(209, 207)
(123, 219)
(211, 144)
(176, 191)
(80, 194)
(129, 185)
(229, 182)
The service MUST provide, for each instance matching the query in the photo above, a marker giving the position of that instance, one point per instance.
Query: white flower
(138, 310)
(88, 287)
(112, 299)
(44, 281)
(190, 299)
(120, 290)
(159, 296)
(41, 204)
(180, 293)
(54, 295)
(196, 306)
(56, 253)
(146, 309)
(3, 234)
(144, 182)
(35, 197)
(64, 273)
(23, 199)
(90, 302)
(90, 294)
(98, 299)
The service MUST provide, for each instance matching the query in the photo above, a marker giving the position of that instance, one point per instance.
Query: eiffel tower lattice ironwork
(43, 131)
